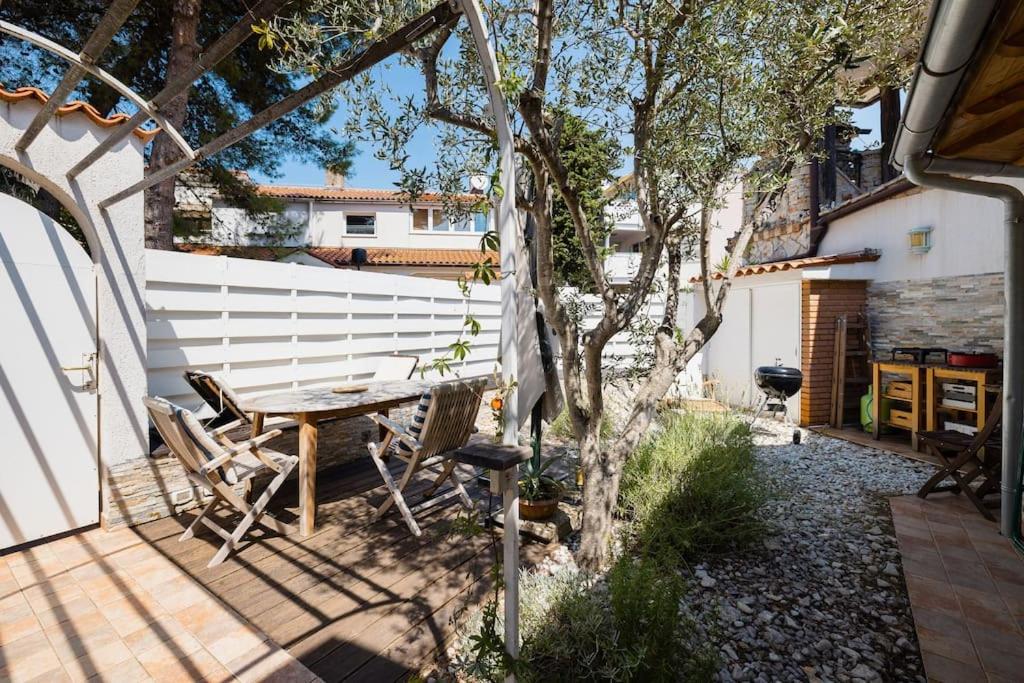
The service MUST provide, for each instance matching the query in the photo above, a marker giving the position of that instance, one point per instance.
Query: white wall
(327, 226)
(760, 323)
(967, 236)
(276, 326)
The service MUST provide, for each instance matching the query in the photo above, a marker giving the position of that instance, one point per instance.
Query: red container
(972, 360)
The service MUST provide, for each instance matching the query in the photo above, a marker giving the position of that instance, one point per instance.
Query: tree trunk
(601, 476)
(183, 53)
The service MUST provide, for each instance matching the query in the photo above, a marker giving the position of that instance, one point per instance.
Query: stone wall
(957, 313)
(145, 489)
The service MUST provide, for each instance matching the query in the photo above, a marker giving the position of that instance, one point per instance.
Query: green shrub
(693, 487)
(626, 628)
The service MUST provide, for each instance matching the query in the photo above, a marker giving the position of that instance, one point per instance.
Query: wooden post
(876, 399)
(510, 555)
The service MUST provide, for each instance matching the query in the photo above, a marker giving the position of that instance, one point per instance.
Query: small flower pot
(538, 510)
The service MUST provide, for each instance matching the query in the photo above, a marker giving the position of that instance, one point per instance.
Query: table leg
(257, 424)
(876, 399)
(307, 473)
(382, 431)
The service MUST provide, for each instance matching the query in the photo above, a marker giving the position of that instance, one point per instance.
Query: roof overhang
(966, 99)
(862, 256)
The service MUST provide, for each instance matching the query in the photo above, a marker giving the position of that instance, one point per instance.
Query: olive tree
(692, 91)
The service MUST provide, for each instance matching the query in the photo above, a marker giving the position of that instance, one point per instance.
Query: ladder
(851, 371)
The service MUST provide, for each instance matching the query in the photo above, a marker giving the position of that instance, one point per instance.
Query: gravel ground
(823, 598)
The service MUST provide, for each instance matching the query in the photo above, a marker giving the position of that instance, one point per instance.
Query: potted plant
(539, 493)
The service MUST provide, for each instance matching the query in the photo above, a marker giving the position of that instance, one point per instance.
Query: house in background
(923, 267)
(328, 226)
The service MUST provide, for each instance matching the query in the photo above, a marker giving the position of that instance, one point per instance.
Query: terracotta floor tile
(929, 569)
(945, 670)
(71, 643)
(932, 594)
(14, 607)
(998, 639)
(154, 571)
(128, 615)
(77, 608)
(128, 671)
(180, 592)
(228, 646)
(985, 608)
(125, 587)
(99, 658)
(269, 663)
(1001, 663)
(207, 620)
(199, 665)
(165, 632)
(28, 658)
(18, 628)
(30, 573)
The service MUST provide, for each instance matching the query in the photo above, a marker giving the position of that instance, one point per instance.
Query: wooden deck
(355, 601)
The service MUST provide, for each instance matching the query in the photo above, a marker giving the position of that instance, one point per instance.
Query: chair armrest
(237, 449)
(398, 430)
(249, 444)
(229, 427)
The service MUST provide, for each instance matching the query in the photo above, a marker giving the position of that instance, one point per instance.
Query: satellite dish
(478, 183)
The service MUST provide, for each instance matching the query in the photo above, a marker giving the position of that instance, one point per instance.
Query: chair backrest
(218, 394)
(992, 422)
(187, 440)
(395, 367)
(451, 416)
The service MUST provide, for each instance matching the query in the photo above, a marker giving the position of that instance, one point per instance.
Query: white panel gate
(48, 415)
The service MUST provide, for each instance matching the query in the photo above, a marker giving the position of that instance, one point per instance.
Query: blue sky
(368, 171)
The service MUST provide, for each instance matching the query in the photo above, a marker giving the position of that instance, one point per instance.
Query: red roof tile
(386, 256)
(94, 115)
(796, 264)
(354, 194)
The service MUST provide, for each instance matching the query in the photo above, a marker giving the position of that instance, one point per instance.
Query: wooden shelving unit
(910, 405)
(985, 381)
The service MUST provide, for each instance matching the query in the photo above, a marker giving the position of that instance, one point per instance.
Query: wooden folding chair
(215, 464)
(218, 395)
(964, 462)
(395, 367)
(443, 422)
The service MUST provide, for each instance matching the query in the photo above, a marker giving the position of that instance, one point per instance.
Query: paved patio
(355, 601)
(966, 586)
(109, 606)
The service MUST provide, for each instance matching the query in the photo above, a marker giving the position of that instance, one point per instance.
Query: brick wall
(821, 302)
(958, 313)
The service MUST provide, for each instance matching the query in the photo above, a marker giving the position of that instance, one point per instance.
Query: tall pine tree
(163, 38)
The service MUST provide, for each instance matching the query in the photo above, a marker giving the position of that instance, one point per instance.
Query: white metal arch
(445, 13)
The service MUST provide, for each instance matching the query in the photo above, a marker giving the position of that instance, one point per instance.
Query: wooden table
(309, 406)
(985, 381)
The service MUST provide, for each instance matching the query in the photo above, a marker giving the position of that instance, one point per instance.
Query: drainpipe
(1013, 325)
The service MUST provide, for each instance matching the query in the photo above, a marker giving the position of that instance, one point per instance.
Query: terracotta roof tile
(353, 194)
(386, 256)
(796, 264)
(24, 93)
(257, 253)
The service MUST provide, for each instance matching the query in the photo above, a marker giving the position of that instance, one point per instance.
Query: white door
(729, 351)
(775, 331)
(48, 459)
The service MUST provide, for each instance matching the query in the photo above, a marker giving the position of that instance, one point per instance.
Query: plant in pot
(539, 493)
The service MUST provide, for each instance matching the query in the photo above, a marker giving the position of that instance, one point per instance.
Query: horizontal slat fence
(278, 326)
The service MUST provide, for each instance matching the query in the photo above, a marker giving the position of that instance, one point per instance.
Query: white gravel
(823, 597)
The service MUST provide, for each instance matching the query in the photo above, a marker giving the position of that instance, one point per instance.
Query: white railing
(622, 268)
(277, 326)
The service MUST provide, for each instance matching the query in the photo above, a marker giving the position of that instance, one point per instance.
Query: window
(360, 225)
(480, 222)
(438, 221)
(420, 219)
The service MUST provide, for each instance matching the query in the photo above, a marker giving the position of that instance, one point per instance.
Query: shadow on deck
(354, 601)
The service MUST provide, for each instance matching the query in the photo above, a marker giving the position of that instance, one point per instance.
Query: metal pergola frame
(446, 13)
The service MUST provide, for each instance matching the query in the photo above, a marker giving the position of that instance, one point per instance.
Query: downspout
(1013, 324)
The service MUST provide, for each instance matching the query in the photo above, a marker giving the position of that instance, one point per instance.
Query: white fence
(278, 326)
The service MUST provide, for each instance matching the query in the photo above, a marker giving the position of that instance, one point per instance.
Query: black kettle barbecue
(778, 384)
